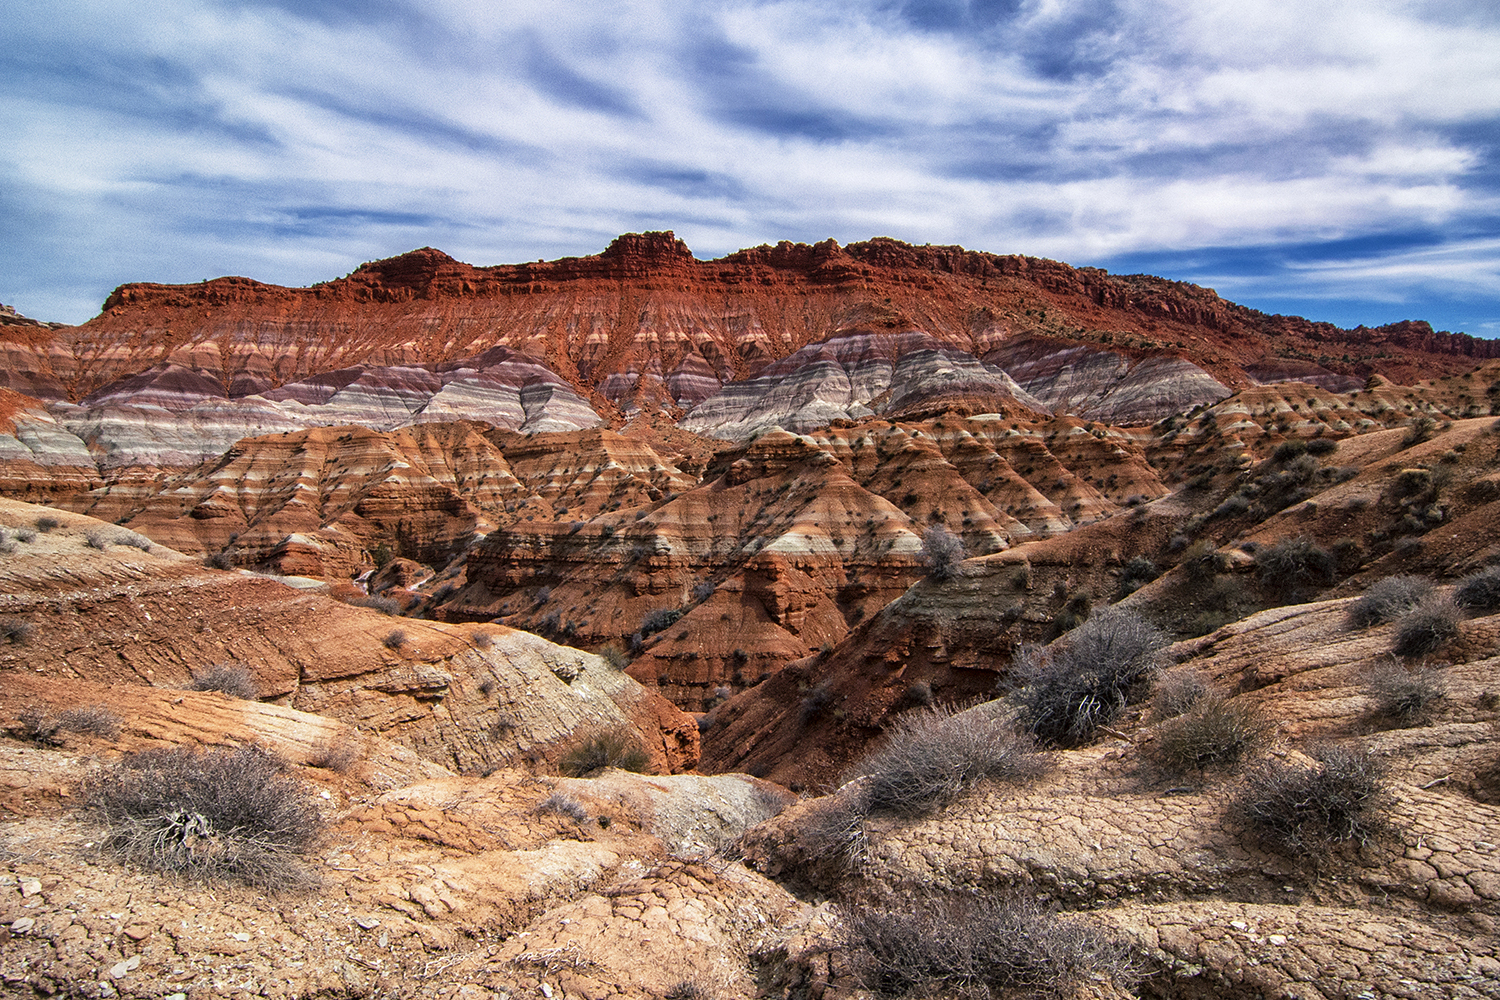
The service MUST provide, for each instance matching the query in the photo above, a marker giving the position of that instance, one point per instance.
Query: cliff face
(646, 327)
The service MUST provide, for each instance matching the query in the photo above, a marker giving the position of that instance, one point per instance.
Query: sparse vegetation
(1403, 696)
(595, 751)
(1418, 430)
(614, 655)
(90, 720)
(1177, 691)
(1308, 808)
(376, 602)
(483, 640)
(563, 804)
(942, 552)
(1214, 732)
(217, 814)
(339, 753)
(1479, 591)
(46, 523)
(97, 540)
(931, 757)
(1427, 627)
(219, 560)
(16, 630)
(231, 677)
(659, 621)
(1388, 599)
(1084, 680)
(1290, 564)
(394, 639)
(978, 947)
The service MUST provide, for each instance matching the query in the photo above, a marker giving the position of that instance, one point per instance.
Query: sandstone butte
(719, 474)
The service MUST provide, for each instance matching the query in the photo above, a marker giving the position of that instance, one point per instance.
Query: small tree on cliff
(942, 551)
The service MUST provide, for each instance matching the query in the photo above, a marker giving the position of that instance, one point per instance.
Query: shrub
(618, 747)
(91, 720)
(703, 590)
(1403, 696)
(1322, 446)
(1214, 732)
(16, 630)
(931, 757)
(1287, 565)
(1177, 691)
(1418, 430)
(659, 621)
(614, 655)
(97, 540)
(217, 814)
(376, 602)
(1301, 808)
(564, 804)
(1479, 591)
(978, 947)
(1085, 680)
(38, 725)
(336, 753)
(394, 639)
(1425, 628)
(942, 551)
(1288, 450)
(483, 640)
(232, 678)
(1388, 599)
(46, 523)
(1138, 572)
(219, 560)
(27, 535)
(813, 703)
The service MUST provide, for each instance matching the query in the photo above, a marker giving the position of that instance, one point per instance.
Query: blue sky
(1337, 160)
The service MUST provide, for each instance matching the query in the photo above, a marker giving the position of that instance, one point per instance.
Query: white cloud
(215, 137)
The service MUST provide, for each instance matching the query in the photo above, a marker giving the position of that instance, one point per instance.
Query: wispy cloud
(1285, 152)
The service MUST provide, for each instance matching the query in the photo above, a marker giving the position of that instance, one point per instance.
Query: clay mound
(472, 698)
(791, 540)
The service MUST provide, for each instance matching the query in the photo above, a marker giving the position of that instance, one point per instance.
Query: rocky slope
(167, 376)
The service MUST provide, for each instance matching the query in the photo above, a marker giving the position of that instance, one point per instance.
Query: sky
(1335, 160)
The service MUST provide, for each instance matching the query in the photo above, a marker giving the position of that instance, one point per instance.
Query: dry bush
(1177, 691)
(46, 523)
(38, 724)
(1388, 599)
(1084, 679)
(1299, 808)
(394, 639)
(1215, 732)
(931, 757)
(1479, 591)
(220, 814)
(614, 654)
(336, 753)
(567, 805)
(97, 540)
(376, 602)
(16, 630)
(1426, 628)
(942, 551)
(1288, 565)
(619, 747)
(978, 948)
(484, 640)
(230, 677)
(219, 560)
(1405, 697)
(91, 720)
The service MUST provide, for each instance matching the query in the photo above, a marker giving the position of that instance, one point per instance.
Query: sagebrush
(1428, 627)
(1084, 679)
(1214, 732)
(218, 814)
(595, 751)
(1306, 809)
(932, 756)
(979, 947)
(1388, 599)
(230, 677)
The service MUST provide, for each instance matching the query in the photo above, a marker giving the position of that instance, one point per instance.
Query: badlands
(817, 621)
